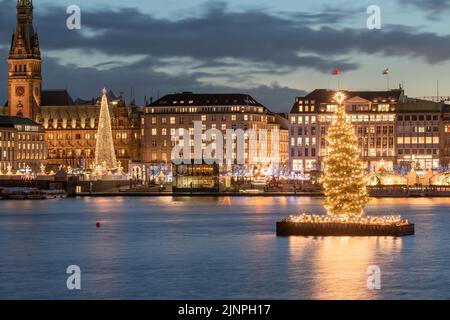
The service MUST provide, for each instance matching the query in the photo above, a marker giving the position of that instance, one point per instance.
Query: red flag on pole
(336, 72)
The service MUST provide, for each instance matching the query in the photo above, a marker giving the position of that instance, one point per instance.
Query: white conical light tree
(105, 154)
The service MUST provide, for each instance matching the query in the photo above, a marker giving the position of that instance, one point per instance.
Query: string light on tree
(343, 176)
(104, 150)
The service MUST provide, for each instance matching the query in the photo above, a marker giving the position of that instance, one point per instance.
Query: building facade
(70, 126)
(173, 112)
(373, 114)
(71, 129)
(420, 134)
(394, 131)
(445, 141)
(22, 144)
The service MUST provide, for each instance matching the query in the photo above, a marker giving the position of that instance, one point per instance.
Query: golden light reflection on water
(340, 264)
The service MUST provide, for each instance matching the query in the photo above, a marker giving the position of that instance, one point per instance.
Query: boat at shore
(31, 194)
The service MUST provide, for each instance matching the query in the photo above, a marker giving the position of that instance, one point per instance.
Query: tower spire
(24, 78)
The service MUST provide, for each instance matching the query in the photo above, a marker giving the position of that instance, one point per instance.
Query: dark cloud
(431, 6)
(239, 46)
(252, 35)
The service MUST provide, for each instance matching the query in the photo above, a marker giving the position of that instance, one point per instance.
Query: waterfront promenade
(375, 192)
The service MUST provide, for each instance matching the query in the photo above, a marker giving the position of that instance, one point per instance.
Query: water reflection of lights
(338, 265)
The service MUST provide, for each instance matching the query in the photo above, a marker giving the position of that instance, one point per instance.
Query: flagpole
(387, 73)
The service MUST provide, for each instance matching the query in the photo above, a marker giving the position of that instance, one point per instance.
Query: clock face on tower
(20, 91)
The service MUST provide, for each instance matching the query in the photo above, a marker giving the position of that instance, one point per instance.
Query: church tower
(24, 63)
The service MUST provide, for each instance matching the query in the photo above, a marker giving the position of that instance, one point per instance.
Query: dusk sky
(273, 50)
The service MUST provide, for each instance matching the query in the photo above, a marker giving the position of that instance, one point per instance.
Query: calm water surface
(213, 248)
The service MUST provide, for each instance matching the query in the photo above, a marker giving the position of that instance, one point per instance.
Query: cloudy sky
(271, 49)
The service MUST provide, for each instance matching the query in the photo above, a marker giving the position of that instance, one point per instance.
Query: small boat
(32, 194)
(35, 194)
(55, 194)
(15, 193)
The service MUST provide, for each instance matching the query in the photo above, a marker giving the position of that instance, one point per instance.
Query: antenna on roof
(437, 91)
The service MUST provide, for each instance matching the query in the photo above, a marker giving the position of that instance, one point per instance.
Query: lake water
(214, 248)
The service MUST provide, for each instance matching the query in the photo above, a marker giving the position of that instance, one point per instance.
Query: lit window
(331, 108)
(383, 108)
(154, 132)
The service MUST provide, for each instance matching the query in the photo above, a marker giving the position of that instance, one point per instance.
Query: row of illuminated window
(304, 165)
(86, 136)
(359, 130)
(306, 120)
(223, 118)
(6, 144)
(30, 146)
(418, 129)
(360, 118)
(303, 142)
(306, 108)
(68, 124)
(368, 152)
(180, 131)
(27, 128)
(204, 109)
(30, 155)
(80, 153)
(6, 136)
(68, 136)
(30, 137)
(163, 157)
(418, 140)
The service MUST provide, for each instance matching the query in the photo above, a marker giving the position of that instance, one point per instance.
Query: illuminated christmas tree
(343, 175)
(105, 155)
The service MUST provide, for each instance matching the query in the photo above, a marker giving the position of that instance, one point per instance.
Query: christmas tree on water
(343, 175)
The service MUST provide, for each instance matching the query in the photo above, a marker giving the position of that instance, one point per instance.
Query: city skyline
(276, 50)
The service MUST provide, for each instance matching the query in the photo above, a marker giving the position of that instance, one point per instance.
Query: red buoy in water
(98, 225)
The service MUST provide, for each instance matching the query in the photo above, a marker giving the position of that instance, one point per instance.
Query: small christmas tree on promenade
(343, 175)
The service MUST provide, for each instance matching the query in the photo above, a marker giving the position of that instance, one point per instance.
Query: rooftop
(10, 121)
(56, 98)
(194, 99)
(418, 105)
(326, 96)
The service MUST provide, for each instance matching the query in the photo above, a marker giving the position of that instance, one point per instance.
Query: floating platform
(289, 228)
